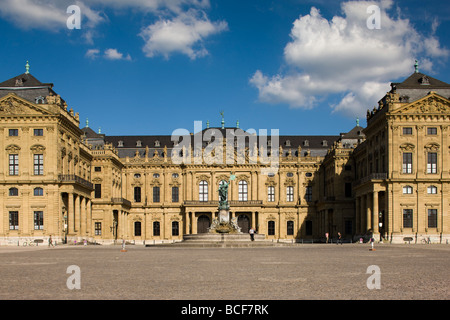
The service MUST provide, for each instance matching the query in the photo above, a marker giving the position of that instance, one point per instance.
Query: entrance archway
(203, 223)
(244, 223)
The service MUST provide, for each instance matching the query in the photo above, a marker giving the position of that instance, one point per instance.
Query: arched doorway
(203, 223)
(244, 223)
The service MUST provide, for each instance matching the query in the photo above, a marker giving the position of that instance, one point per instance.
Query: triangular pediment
(12, 104)
(433, 103)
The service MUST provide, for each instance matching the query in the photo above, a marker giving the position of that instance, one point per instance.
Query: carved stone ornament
(432, 146)
(407, 147)
(12, 148)
(37, 148)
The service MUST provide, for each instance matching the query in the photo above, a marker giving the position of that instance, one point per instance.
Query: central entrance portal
(203, 223)
(244, 223)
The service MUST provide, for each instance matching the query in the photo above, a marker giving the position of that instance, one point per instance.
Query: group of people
(339, 237)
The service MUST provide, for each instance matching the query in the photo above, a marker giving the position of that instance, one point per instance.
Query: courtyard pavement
(308, 271)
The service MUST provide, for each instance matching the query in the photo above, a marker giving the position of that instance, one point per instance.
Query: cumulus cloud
(113, 54)
(46, 14)
(184, 34)
(343, 57)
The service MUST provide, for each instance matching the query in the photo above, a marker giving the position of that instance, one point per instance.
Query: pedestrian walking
(326, 236)
(50, 241)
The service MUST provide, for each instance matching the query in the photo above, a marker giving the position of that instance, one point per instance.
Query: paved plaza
(308, 271)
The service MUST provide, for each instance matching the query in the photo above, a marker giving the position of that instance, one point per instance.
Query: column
(358, 215)
(375, 213)
(193, 225)
(186, 227)
(253, 220)
(83, 217)
(77, 213)
(70, 214)
(368, 213)
(362, 214)
(89, 216)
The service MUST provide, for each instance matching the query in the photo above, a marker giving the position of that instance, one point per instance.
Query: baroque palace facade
(390, 179)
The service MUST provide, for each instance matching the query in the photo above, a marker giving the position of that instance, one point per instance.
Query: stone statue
(223, 195)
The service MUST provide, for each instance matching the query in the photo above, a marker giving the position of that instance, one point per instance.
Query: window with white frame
(243, 190)
(289, 193)
(203, 191)
(407, 190)
(38, 164)
(432, 190)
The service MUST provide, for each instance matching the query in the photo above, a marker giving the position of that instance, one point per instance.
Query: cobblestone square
(308, 271)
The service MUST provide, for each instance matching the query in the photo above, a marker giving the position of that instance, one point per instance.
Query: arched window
(243, 190)
(203, 191)
(156, 228)
(13, 192)
(38, 192)
(137, 228)
(407, 190)
(432, 190)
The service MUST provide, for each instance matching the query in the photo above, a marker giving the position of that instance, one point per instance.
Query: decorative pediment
(407, 147)
(11, 104)
(431, 104)
(37, 148)
(432, 146)
(202, 177)
(12, 148)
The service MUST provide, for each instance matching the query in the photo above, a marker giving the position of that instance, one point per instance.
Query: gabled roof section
(432, 103)
(11, 105)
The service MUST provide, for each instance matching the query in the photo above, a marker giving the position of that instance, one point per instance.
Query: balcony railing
(72, 178)
(233, 203)
(372, 176)
(122, 201)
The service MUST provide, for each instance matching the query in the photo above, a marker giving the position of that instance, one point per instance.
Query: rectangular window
(432, 190)
(290, 228)
(407, 190)
(348, 189)
(38, 220)
(38, 132)
(270, 193)
(13, 164)
(432, 131)
(38, 164)
(137, 194)
(156, 193)
(175, 228)
(290, 194)
(407, 131)
(407, 218)
(14, 220)
(98, 169)
(38, 192)
(13, 132)
(98, 228)
(271, 228)
(432, 162)
(97, 191)
(308, 194)
(407, 162)
(156, 229)
(432, 218)
(175, 194)
(308, 228)
(243, 190)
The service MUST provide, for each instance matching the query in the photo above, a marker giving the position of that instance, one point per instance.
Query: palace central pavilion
(390, 179)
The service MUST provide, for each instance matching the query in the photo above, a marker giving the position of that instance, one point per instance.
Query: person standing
(326, 236)
(252, 234)
(339, 239)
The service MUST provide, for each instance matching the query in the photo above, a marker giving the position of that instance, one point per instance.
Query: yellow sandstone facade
(390, 179)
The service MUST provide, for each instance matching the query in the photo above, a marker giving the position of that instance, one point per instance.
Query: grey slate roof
(27, 87)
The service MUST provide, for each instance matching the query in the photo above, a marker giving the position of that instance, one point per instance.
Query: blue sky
(142, 67)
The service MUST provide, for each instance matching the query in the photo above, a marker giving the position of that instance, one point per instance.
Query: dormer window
(138, 143)
(306, 143)
(157, 143)
(120, 143)
(40, 100)
(325, 143)
(288, 143)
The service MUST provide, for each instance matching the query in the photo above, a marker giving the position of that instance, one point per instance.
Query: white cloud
(343, 57)
(46, 14)
(183, 34)
(92, 53)
(113, 54)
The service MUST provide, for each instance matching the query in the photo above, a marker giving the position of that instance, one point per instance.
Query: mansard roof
(27, 87)
(419, 80)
